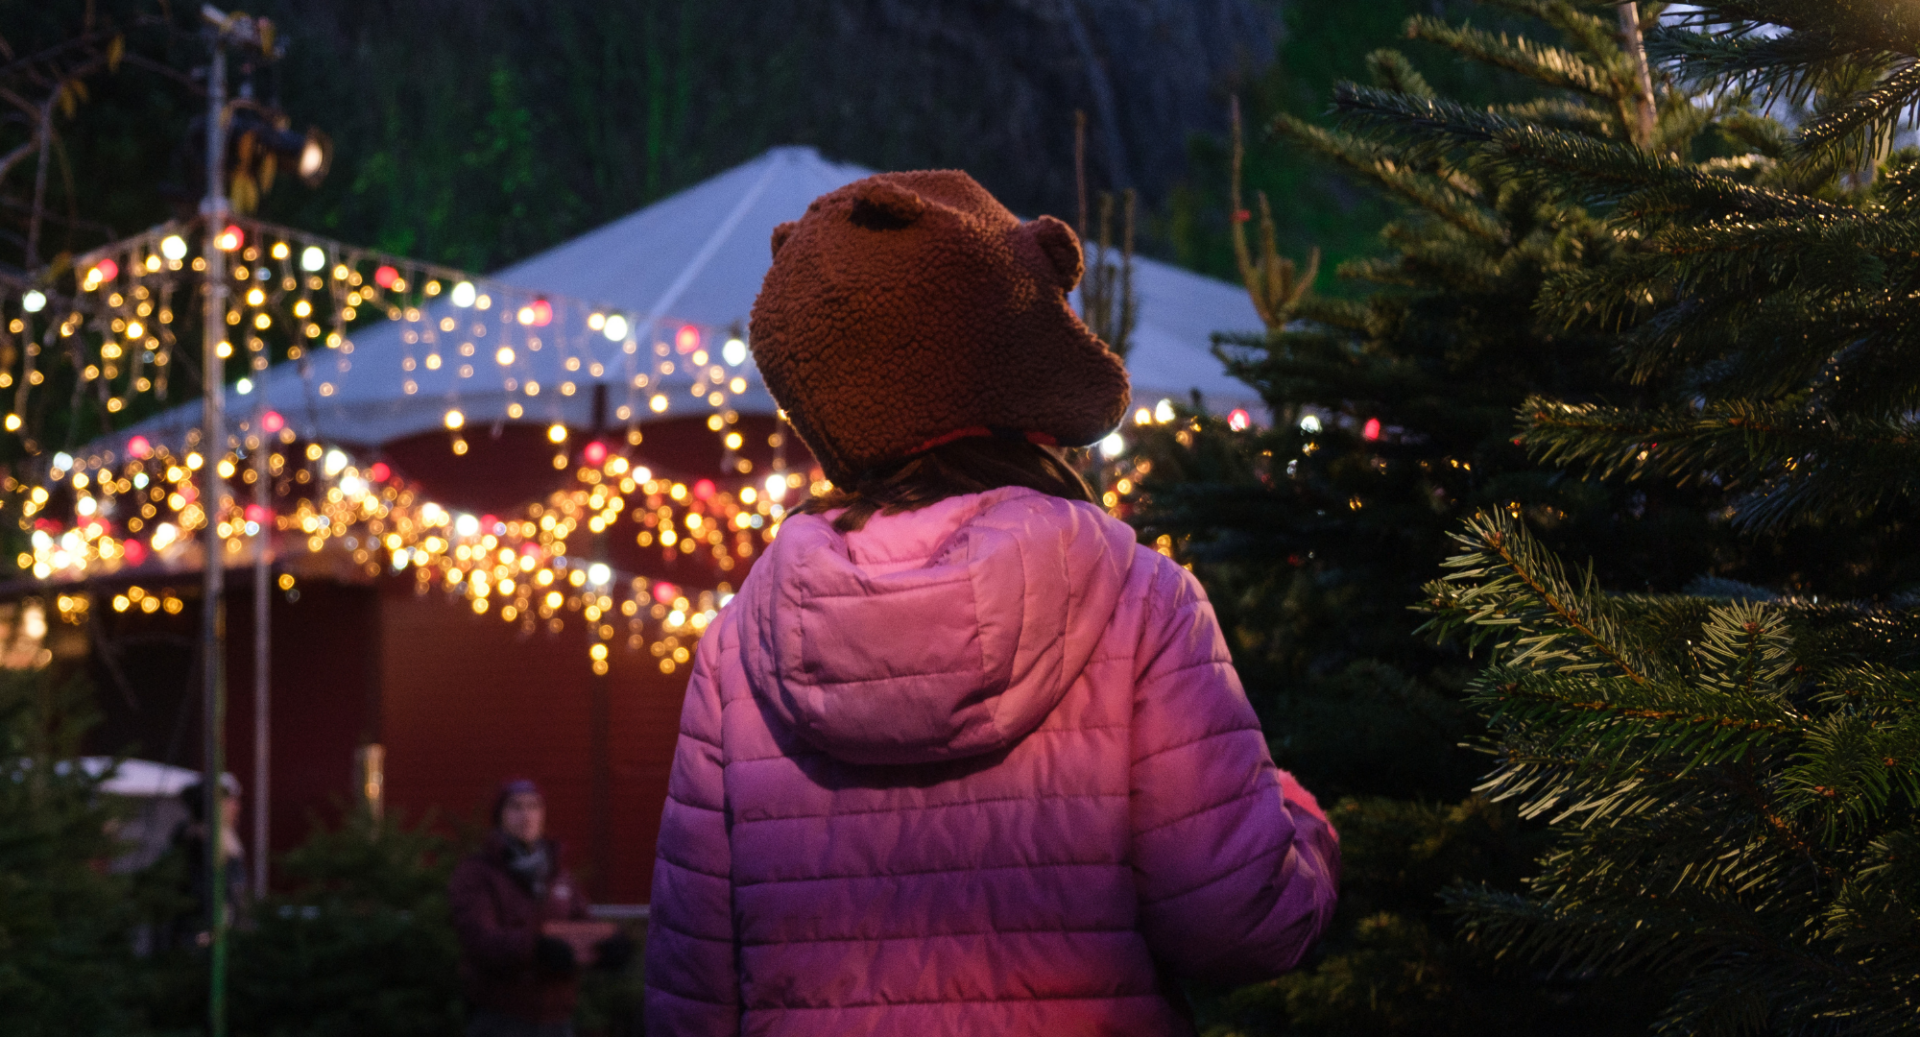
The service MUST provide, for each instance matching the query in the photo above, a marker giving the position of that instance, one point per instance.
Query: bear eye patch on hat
(907, 310)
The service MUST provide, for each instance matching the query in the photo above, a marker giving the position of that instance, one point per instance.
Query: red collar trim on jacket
(973, 431)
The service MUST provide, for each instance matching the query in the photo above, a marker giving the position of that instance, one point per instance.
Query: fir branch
(1864, 121)
(1787, 65)
(1831, 464)
(1500, 553)
(1898, 189)
(1550, 66)
(1393, 175)
(1390, 70)
(1593, 35)
(1860, 64)
(1765, 136)
(1558, 113)
(1746, 652)
(1586, 167)
(1851, 25)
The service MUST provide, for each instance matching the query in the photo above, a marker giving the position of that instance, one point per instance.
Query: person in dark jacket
(521, 981)
(191, 844)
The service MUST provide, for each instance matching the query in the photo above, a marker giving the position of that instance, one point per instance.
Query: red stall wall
(469, 701)
(323, 694)
(323, 699)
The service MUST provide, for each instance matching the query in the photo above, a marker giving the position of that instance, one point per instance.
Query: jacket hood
(936, 634)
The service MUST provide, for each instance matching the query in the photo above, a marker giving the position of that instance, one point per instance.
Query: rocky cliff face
(476, 132)
(993, 85)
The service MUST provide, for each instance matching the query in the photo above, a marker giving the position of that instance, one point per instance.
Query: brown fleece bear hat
(910, 309)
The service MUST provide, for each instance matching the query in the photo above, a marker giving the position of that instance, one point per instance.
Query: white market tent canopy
(696, 258)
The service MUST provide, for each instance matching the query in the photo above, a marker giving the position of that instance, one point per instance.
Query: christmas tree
(360, 943)
(1730, 779)
(1731, 784)
(66, 924)
(1393, 419)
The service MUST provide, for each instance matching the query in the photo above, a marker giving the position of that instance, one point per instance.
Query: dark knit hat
(510, 788)
(910, 309)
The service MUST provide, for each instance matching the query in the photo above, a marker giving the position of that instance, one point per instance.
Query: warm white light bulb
(313, 259)
(174, 247)
(463, 294)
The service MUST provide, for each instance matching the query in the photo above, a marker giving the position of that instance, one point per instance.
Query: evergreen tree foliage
(1732, 787)
(66, 924)
(1767, 288)
(1730, 781)
(1323, 44)
(1393, 419)
(361, 944)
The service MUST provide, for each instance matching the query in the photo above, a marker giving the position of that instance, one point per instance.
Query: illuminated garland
(103, 515)
(300, 297)
(147, 509)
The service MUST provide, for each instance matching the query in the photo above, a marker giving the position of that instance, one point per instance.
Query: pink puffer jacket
(983, 768)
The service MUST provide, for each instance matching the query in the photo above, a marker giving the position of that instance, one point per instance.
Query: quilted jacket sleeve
(692, 988)
(1236, 866)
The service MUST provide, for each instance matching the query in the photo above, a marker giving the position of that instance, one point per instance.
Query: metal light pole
(262, 640)
(224, 30)
(314, 155)
(213, 634)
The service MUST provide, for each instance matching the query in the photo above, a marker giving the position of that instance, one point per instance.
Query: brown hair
(971, 465)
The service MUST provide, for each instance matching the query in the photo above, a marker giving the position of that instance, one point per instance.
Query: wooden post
(1636, 48)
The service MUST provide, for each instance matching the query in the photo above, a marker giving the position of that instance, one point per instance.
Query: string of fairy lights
(136, 507)
(301, 298)
(146, 508)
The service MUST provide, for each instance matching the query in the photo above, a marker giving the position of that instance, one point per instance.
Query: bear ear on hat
(879, 205)
(782, 233)
(1061, 247)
